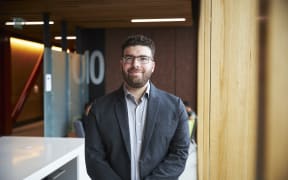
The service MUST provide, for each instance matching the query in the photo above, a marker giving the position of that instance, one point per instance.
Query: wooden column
(227, 90)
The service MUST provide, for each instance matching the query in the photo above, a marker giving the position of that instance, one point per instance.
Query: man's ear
(154, 64)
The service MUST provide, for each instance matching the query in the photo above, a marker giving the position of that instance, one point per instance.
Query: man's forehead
(138, 49)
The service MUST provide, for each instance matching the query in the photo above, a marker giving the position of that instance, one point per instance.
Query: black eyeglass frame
(128, 59)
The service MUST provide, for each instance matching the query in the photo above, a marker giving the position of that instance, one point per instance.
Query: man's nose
(136, 62)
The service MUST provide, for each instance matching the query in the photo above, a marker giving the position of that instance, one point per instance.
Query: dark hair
(139, 39)
(186, 103)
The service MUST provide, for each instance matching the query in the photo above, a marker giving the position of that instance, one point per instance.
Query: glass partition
(65, 91)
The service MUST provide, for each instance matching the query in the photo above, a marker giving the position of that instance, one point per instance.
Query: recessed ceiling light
(56, 48)
(27, 23)
(67, 37)
(158, 20)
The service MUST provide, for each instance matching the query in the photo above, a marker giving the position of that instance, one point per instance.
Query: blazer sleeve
(96, 164)
(174, 163)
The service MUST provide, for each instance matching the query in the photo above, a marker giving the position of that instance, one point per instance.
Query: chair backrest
(79, 128)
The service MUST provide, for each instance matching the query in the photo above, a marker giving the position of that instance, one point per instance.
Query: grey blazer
(165, 143)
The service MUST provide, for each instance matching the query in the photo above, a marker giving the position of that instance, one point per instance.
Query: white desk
(35, 158)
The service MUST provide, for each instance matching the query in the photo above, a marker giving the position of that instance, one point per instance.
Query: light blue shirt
(136, 117)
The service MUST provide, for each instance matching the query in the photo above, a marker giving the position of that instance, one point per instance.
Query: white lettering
(97, 55)
(77, 68)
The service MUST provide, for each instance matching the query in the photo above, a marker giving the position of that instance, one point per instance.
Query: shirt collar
(147, 91)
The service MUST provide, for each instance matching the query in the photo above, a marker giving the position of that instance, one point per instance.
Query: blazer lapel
(122, 117)
(151, 119)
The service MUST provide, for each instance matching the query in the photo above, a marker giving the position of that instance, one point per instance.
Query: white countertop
(36, 157)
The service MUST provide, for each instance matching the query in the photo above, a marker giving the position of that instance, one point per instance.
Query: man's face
(135, 71)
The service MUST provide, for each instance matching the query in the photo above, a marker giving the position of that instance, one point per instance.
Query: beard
(136, 82)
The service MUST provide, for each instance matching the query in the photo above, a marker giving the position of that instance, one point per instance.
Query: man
(137, 132)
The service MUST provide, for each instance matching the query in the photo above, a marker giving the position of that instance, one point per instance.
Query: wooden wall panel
(186, 66)
(112, 57)
(230, 127)
(204, 91)
(233, 90)
(23, 59)
(164, 75)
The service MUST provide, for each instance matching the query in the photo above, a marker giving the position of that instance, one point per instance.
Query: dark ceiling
(91, 14)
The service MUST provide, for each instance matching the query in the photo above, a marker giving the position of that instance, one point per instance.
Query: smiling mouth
(134, 72)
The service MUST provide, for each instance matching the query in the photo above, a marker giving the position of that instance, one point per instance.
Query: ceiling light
(25, 43)
(67, 37)
(28, 23)
(59, 49)
(158, 20)
(56, 48)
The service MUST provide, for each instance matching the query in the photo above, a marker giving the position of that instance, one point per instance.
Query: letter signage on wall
(96, 60)
(92, 42)
(88, 73)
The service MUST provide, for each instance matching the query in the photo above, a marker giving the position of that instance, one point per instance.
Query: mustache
(134, 70)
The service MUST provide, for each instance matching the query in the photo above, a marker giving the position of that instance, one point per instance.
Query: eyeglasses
(141, 59)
